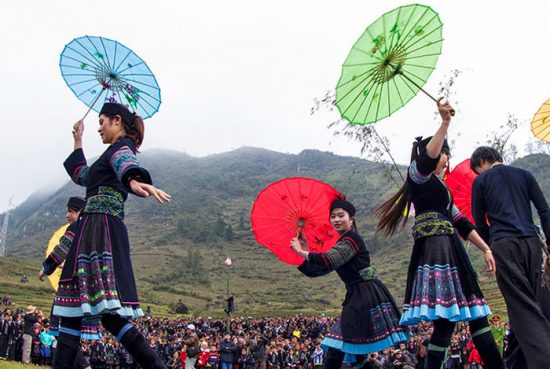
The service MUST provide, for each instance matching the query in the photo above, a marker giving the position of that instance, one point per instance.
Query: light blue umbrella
(100, 70)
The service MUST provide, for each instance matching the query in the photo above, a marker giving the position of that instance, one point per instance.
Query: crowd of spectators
(237, 343)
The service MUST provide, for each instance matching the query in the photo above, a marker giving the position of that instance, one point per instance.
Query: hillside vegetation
(178, 248)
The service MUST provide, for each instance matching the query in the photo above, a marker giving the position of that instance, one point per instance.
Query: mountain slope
(179, 248)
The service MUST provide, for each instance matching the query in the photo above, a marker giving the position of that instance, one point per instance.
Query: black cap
(76, 203)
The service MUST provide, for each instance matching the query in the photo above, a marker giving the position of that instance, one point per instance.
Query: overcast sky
(236, 73)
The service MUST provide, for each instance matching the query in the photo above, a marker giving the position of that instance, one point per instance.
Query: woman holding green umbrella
(442, 286)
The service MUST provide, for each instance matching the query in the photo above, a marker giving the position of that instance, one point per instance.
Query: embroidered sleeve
(319, 264)
(126, 166)
(59, 253)
(461, 223)
(341, 253)
(77, 168)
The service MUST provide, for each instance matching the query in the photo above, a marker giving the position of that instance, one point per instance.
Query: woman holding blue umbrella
(97, 279)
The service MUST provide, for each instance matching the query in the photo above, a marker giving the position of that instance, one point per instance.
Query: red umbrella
(460, 182)
(293, 205)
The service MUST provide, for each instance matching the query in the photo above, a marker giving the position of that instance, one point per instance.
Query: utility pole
(4, 230)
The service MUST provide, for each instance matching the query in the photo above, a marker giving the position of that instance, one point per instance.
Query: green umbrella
(389, 64)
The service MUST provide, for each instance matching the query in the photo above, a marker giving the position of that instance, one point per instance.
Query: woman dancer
(97, 279)
(370, 319)
(442, 286)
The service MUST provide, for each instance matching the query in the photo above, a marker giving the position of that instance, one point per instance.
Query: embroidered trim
(340, 254)
(417, 176)
(123, 159)
(80, 174)
(107, 201)
(431, 224)
(367, 273)
(60, 251)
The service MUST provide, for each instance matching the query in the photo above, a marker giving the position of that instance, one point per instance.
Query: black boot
(140, 350)
(67, 348)
(334, 359)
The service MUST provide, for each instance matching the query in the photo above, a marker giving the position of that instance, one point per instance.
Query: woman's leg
(334, 359)
(68, 343)
(485, 344)
(439, 341)
(133, 341)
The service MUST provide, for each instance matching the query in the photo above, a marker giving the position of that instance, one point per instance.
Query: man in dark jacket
(501, 206)
(28, 322)
(227, 352)
(259, 352)
(7, 329)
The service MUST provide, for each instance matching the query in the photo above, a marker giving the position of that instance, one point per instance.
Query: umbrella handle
(421, 89)
(93, 103)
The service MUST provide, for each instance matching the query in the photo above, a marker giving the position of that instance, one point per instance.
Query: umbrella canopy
(540, 125)
(99, 70)
(460, 182)
(389, 64)
(54, 241)
(293, 205)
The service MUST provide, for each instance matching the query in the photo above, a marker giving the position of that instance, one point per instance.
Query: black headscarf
(119, 109)
(343, 204)
(76, 203)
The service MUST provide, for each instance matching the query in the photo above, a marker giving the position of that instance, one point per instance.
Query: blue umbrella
(99, 70)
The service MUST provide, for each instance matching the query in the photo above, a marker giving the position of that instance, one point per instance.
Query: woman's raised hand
(146, 190)
(78, 130)
(295, 244)
(445, 110)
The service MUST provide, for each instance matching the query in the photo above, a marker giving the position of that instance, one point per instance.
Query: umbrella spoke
(406, 82)
(422, 38)
(372, 70)
(81, 82)
(106, 55)
(396, 31)
(132, 66)
(414, 75)
(371, 101)
(398, 92)
(80, 74)
(100, 61)
(422, 56)
(361, 64)
(408, 36)
(420, 66)
(404, 28)
(407, 42)
(431, 43)
(123, 60)
(368, 88)
(93, 62)
(379, 101)
(90, 72)
(103, 58)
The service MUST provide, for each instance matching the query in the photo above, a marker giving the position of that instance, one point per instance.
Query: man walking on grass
(501, 206)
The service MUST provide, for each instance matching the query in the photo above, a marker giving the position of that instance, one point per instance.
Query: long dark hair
(394, 212)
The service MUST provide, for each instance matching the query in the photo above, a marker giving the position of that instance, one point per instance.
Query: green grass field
(14, 365)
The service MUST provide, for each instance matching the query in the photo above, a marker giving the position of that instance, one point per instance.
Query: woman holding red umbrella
(442, 285)
(370, 318)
